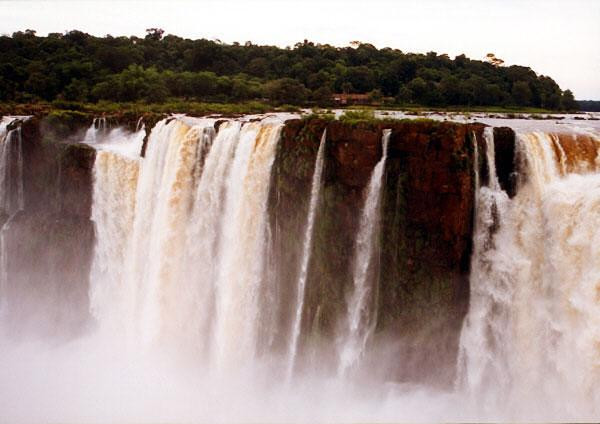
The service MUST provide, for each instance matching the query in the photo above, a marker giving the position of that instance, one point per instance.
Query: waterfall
(181, 236)
(306, 251)
(192, 298)
(115, 184)
(11, 169)
(202, 244)
(533, 326)
(12, 198)
(162, 205)
(242, 245)
(97, 131)
(360, 320)
(490, 290)
(115, 178)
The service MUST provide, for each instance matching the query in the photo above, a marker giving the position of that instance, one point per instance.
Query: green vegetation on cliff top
(79, 67)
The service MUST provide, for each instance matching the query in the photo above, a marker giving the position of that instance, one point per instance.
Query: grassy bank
(193, 108)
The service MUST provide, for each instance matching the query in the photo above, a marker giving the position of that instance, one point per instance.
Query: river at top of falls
(306, 252)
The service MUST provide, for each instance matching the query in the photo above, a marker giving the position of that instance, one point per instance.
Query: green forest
(79, 67)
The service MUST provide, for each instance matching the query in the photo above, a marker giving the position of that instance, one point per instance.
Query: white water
(484, 324)
(360, 319)
(242, 246)
(529, 347)
(115, 175)
(202, 244)
(315, 189)
(12, 198)
(97, 131)
(11, 168)
(153, 268)
(115, 183)
(184, 241)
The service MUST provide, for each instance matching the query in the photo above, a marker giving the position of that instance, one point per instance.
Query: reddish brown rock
(427, 220)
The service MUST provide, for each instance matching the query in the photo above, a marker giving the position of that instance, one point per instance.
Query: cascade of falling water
(163, 203)
(360, 321)
(12, 198)
(115, 176)
(205, 225)
(140, 211)
(242, 246)
(486, 321)
(195, 205)
(532, 329)
(555, 310)
(4, 122)
(115, 183)
(96, 131)
(306, 250)
(11, 171)
(460, 382)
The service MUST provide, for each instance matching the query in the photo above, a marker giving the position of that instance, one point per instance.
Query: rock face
(50, 242)
(427, 215)
(426, 244)
(506, 157)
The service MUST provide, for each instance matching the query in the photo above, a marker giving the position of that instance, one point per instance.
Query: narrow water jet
(97, 131)
(490, 288)
(361, 313)
(11, 192)
(306, 251)
(11, 169)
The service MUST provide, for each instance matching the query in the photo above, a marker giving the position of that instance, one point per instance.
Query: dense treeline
(79, 67)
(589, 105)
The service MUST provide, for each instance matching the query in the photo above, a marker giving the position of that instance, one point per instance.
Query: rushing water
(194, 202)
(533, 318)
(12, 198)
(242, 246)
(180, 290)
(11, 168)
(98, 131)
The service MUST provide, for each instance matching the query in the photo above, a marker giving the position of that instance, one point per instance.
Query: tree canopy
(79, 67)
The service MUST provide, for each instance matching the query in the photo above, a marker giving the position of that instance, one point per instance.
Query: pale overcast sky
(556, 38)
